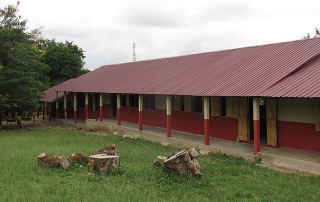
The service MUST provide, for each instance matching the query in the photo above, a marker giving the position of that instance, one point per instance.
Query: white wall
(296, 110)
(106, 98)
(161, 101)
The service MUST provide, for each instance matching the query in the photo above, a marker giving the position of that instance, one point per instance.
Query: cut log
(46, 159)
(103, 163)
(158, 161)
(78, 158)
(109, 150)
(184, 162)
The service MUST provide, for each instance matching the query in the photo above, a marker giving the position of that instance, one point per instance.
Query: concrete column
(206, 106)
(49, 111)
(94, 102)
(140, 111)
(65, 105)
(119, 109)
(57, 105)
(256, 126)
(75, 107)
(101, 107)
(169, 98)
(43, 110)
(87, 105)
(37, 111)
(46, 108)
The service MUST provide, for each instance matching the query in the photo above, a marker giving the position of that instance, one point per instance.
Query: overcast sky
(107, 29)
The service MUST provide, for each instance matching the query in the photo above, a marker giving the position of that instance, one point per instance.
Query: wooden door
(176, 103)
(187, 103)
(215, 106)
(243, 119)
(271, 108)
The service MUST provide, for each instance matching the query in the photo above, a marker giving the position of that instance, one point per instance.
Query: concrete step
(287, 163)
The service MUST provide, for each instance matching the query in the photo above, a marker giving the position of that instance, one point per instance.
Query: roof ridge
(299, 68)
(210, 52)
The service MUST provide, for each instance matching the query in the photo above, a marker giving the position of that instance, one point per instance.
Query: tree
(66, 60)
(22, 69)
(316, 34)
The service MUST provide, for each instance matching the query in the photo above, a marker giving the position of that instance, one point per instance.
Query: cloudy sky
(106, 30)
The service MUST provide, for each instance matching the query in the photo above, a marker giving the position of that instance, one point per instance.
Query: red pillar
(57, 105)
(101, 107)
(46, 109)
(101, 113)
(119, 116)
(206, 120)
(119, 109)
(43, 111)
(65, 105)
(57, 113)
(49, 112)
(75, 107)
(140, 111)
(140, 120)
(169, 116)
(256, 126)
(168, 125)
(206, 132)
(87, 105)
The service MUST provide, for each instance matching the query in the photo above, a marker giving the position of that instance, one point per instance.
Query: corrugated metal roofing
(50, 94)
(289, 69)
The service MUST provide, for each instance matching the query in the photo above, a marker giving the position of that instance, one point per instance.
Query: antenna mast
(134, 52)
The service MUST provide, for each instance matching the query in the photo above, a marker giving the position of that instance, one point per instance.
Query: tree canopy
(30, 64)
(22, 70)
(65, 59)
(316, 34)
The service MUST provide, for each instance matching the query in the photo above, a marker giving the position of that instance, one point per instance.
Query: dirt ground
(38, 124)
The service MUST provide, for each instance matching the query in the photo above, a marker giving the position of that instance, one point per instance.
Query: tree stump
(184, 162)
(78, 158)
(46, 159)
(103, 163)
(109, 150)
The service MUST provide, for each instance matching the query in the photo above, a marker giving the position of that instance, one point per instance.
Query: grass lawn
(224, 178)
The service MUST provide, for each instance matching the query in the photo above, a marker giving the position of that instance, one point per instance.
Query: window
(149, 102)
(134, 100)
(197, 104)
(223, 106)
(123, 100)
(218, 106)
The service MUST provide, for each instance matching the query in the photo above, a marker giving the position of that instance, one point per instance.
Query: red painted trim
(187, 122)
(168, 125)
(101, 113)
(206, 132)
(87, 111)
(75, 116)
(65, 113)
(46, 111)
(119, 116)
(256, 136)
(298, 135)
(140, 120)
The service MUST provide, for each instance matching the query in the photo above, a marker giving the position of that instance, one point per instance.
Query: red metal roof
(289, 69)
(50, 95)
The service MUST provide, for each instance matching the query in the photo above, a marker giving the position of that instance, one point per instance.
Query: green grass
(224, 178)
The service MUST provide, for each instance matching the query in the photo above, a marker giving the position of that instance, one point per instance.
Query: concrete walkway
(286, 159)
